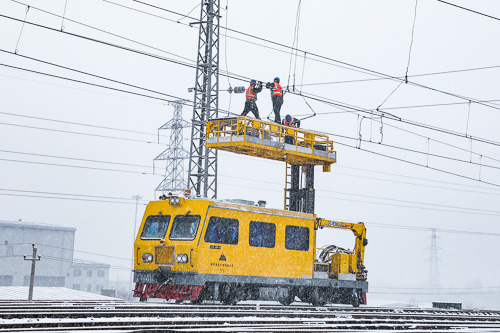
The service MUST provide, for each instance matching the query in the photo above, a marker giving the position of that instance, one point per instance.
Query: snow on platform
(50, 294)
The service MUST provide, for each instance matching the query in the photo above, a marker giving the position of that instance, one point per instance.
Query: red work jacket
(277, 91)
(291, 123)
(250, 94)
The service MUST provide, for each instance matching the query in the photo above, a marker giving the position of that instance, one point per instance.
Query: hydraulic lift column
(302, 198)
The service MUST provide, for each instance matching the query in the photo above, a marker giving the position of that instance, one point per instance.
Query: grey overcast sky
(73, 154)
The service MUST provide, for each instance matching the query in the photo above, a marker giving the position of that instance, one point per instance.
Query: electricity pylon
(175, 154)
(434, 264)
(202, 170)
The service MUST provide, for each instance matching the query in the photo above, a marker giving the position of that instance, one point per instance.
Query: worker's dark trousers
(277, 102)
(250, 105)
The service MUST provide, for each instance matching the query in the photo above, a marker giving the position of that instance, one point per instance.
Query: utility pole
(137, 198)
(33, 259)
(202, 170)
(175, 154)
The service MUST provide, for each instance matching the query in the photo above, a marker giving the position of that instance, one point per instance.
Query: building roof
(49, 294)
(31, 225)
(85, 263)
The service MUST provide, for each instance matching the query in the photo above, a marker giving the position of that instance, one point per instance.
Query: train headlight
(182, 258)
(174, 200)
(147, 257)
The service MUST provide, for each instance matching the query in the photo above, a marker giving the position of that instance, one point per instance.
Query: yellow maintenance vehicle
(199, 249)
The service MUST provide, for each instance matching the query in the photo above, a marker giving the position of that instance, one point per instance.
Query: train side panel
(260, 247)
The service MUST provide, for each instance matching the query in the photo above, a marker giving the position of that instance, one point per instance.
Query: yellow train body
(198, 249)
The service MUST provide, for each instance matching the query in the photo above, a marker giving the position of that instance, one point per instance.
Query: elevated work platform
(253, 137)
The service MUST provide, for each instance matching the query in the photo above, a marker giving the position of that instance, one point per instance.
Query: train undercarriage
(197, 288)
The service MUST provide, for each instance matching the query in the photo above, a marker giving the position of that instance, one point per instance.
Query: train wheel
(355, 299)
(199, 300)
(319, 298)
(143, 299)
(287, 300)
(230, 301)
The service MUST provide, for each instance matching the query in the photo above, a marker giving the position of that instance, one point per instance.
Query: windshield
(155, 227)
(185, 227)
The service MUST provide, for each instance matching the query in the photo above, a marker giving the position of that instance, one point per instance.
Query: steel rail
(153, 317)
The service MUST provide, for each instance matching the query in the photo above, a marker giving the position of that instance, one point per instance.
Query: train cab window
(222, 230)
(262, 234)
(184, 227)
(155, 227)
(296, 238)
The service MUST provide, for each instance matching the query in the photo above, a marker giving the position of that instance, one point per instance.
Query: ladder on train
(288, 184)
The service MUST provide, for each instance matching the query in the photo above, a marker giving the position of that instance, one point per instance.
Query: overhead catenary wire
(72, 195)
(293, 51)
(63, 198)
(126, 164)
(79, 167)
(100, 30)
(78, 133)
(77, 261)
(387, 156)
(389, 116)
(470, 10)
(86, 83)
(402, 77)
(78, 123)
(395, 175)
(319, 98)
(411, 41)
(321, 190)
(419, 165)
(91, 75)
(351, 66)
(475, 138)
(421, 152)
(375, 203)
(334, 134)
(75, 158)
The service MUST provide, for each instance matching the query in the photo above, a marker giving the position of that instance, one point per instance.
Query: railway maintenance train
(200, 249)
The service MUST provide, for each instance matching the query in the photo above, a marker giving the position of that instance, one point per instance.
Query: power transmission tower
(175, 154)
(434, 263)
(202, 169)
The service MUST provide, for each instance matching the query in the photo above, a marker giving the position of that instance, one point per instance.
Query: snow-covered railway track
(43, 317)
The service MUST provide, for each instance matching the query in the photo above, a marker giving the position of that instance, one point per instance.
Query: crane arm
(359, 231)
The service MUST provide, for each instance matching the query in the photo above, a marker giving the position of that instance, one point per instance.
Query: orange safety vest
(291, 123)
(277, 91)
(250, 94)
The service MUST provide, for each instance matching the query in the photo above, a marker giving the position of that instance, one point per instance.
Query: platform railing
(264, 132)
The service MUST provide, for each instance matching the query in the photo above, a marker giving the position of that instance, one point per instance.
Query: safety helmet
(288, 118)
(253, 82)
(277, 79)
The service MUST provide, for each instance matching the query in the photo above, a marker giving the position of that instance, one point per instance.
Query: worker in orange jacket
(277, 98)
(292, 122)
(251, 99)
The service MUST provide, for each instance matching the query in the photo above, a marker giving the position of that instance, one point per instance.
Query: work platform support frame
(202, 169)
(302, 197)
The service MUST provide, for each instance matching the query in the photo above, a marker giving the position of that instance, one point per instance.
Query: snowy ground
(49, 294)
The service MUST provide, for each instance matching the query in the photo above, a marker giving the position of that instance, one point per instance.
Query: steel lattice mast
(434, 263)
(175, 154)
(202, 169)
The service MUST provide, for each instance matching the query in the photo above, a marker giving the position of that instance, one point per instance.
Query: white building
(57, 267)
(88, 276)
